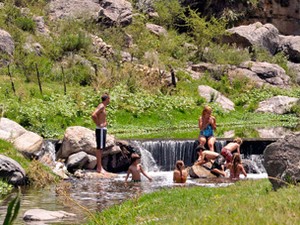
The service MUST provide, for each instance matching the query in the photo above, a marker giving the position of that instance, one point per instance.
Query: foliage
(5, 188)
(169, 13)
(26, 24)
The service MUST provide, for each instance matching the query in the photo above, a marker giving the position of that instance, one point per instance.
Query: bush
(26, 24)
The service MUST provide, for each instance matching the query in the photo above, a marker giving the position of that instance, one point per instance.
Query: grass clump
(224, 205)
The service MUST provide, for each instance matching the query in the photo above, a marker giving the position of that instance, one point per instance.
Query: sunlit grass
(246, 202)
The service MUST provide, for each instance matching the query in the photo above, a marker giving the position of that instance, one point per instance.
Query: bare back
(180, 177)
(232, 146)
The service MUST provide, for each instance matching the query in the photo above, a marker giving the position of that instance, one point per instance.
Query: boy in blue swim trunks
(207, 125)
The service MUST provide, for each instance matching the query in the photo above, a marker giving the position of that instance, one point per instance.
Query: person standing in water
(99, 118)
(180, 174)
(136, 169)
(207, 125)
(228, 149)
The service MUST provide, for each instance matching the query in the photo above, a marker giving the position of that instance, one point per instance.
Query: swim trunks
(226, 154)
(101, 137)
(136, 181)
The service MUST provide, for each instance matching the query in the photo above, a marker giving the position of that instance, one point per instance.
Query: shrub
(26, 24)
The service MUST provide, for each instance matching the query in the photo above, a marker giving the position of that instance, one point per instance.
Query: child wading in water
(136, 169)
(227, 150)
(236, 167)
(180, 174)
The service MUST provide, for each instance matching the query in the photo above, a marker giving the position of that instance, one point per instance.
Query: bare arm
(145, 174)
(213, 122)
(243, 170)
(128, 173)
(238, 149)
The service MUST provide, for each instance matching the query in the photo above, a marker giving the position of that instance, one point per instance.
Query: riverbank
(245, 202)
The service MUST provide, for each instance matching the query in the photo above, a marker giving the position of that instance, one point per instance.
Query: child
(207, 125)
(227, 150)
(136, 169)
(180, 174)
(236, 167)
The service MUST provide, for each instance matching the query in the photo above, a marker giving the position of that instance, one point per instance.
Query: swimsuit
(135, 181)
(101, 137)
(227, 154)
(207, 132)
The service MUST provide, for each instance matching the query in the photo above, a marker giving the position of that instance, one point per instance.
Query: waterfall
(163, 154)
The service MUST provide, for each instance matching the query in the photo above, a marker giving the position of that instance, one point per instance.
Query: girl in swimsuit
(180, 174)
(207, 125)
(236, 167)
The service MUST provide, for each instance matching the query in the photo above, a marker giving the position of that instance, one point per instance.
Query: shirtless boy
(228, 149)
(135, 169)
(99, 118)
(215, 158)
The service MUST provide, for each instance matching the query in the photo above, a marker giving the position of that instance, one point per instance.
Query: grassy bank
(245, 202)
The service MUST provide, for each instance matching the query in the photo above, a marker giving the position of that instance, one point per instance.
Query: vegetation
(245, 202)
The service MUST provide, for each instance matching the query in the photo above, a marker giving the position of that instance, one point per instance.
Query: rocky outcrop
(12, 171)
(212, 95)
(115, 12)
(158, 30)
(10, 130)
(73, 9)
(7, 45)
(257, 34)
(277, 104)
(290, 45)
(268, 72)
(282, 160)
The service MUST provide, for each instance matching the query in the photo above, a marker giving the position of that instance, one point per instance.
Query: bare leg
(211, 143)
(99, 161)
(202, 140)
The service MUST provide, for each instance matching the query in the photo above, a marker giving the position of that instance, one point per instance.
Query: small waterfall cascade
(163, 154)
(147, 159)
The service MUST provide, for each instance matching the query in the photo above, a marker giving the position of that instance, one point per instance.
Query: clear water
(98, 194)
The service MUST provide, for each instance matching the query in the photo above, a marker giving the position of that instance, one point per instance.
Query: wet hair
(134, 157)
(104, 97)
(238, 140)
(180, 166)
(206, 110)
(236, 160)
(200, 148)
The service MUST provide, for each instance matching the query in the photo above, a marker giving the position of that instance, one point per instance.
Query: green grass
(245, 202)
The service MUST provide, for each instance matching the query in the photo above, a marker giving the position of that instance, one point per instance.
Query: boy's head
(135, 157)
(238, 140)
(200, 148)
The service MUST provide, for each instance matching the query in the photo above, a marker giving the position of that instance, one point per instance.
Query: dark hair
(104, 97)
(134, 157)
(200, 148)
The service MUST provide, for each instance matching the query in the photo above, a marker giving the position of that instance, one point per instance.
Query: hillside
(59, 56)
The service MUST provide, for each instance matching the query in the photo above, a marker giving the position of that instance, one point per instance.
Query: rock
(77, 161)
(115, 12)
(282, 160)
(86, 174)
(12, 171)
(256, 34)
(10, 130)
(268, 72)
(45, 215)
(290, 45)
(158, 30)
(212, 95)
(7, 45)
(277, 104)
(29, 144)
(200, 172)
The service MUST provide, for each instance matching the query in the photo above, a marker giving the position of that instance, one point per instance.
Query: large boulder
(290, 45)
(282, 160)
(277, 104)
(268, 72)
(10, 130)
(200, 172)
(12, 171)
(212, 95)
(29, 144)
(115, 12)
(256, 34)
(7, 45)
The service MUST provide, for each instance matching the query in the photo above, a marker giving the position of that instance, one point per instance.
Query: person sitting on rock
(180, 173)
(215, 158)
